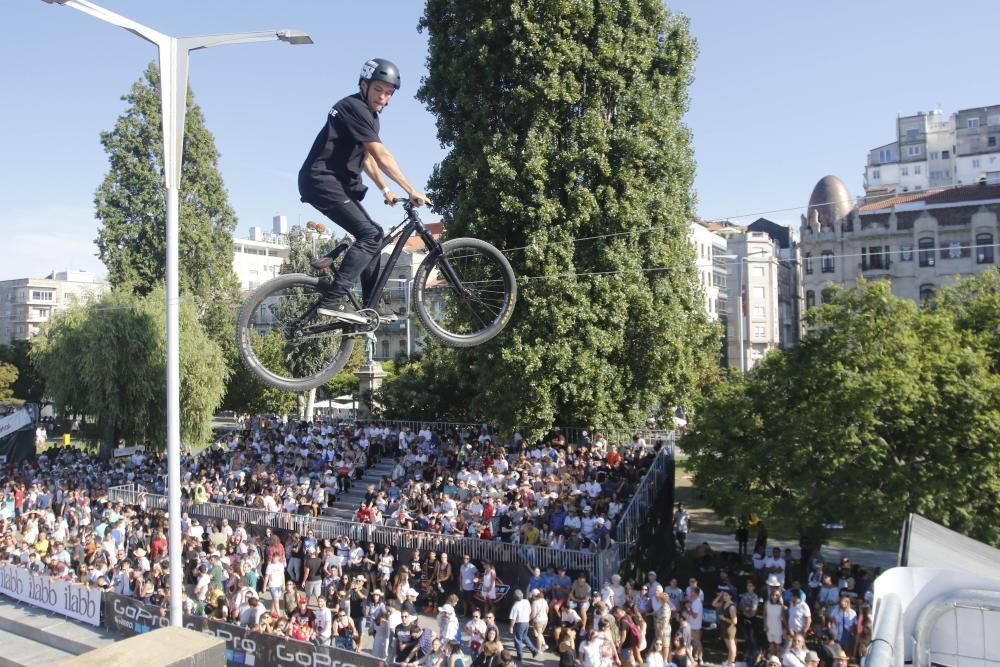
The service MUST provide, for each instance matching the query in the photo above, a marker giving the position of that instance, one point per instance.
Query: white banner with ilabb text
(59, 596)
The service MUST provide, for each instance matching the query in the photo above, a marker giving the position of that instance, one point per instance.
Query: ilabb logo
(10, 582)
(76, 599)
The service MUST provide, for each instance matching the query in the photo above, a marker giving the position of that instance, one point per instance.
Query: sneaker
(340, 307)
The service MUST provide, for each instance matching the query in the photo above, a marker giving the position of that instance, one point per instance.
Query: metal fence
(574, 434)
(599, 565)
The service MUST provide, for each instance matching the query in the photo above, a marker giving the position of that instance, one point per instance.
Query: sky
(785, 92)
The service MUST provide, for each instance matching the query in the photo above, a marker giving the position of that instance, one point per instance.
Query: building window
(759, 331)
(906, 253)
(759, 311)
(912, 151)
(809, 263)
(984, 248)
(925, 252)
(917, 170)
(991, 141)
(876, 174)
(810, 299)
(972, 123)
(975, 163)
(954, 250)
(884, 155)
(42, 295)
(935, 155)
(826, 261)
(875, 257)
(926, 294)
(945, 155)
(904, 171)
(759, 293)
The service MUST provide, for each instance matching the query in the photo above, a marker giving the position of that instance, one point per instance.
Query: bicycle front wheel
(465, 294)
(284, 347)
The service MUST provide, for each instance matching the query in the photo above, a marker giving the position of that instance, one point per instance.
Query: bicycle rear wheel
(464, 295)
(282, 348)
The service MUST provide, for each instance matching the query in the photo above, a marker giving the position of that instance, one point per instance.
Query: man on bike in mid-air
(330, 180)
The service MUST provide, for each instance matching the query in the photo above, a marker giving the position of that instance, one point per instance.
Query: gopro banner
(127, 616)
(60, 597)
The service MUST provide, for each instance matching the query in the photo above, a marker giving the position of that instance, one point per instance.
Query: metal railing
(634, 515)
(394, 536)
(601, 565)
(574, 434)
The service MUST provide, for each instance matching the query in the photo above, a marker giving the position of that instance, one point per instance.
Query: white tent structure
(941, 606)
(341, 407)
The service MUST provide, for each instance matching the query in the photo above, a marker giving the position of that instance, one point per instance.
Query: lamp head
(290, 36)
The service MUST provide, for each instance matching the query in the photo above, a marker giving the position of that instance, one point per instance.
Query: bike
(463, 293)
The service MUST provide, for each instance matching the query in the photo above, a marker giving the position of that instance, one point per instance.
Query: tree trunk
(108, 438)
(310, 404)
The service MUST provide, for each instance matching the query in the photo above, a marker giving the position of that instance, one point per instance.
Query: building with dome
(918, 240)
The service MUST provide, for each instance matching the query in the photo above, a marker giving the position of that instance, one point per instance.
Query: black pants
(363, 259)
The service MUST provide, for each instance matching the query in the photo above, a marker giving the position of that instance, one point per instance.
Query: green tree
(108, 360)
(974, 302)
(563, 120)
(884, 409)
(8, 376)
(246, 393)
(30, 385)
(131, 206)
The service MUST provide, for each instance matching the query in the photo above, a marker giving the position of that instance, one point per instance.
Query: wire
(850, 200)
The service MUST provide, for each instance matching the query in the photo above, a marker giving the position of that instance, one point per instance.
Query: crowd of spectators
(56, 520)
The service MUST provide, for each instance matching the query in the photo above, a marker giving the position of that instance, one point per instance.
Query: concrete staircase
(347, 505)
(30, 637)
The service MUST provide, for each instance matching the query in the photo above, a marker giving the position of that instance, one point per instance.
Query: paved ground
(864, 557)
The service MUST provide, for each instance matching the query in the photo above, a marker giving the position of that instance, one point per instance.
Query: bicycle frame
(401, 234)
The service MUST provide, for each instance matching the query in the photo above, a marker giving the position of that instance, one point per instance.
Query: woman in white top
(489, 587)
(774, 620)
(694, 615)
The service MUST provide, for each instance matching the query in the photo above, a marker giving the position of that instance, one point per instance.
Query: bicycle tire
(246, 328)
(477, 316)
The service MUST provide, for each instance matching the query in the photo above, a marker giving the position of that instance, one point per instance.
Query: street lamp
(174, 53)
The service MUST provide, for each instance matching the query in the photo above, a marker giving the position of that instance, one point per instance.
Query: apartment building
(27, 303)
(919, 240)
(933, 151)
(710, 249)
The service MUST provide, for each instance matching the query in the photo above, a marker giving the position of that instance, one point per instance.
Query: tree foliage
(131, 206)
(108, 360)
(8, 376)
(563, 120)
(883, 409)
(974, 302)
(29, 385)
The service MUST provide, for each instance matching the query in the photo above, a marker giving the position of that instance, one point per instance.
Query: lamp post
(174, 53)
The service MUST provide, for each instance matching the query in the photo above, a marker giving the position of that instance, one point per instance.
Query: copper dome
(831, 200)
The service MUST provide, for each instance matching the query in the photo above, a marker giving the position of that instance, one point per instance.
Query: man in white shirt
(467, 573)
(775, 565)
(520, 616)
(324, 622)
(799, 615)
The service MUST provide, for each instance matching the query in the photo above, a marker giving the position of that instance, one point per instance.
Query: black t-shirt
(337, 155)
(315, 566)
